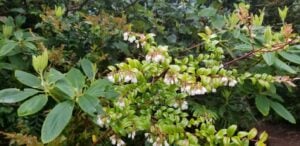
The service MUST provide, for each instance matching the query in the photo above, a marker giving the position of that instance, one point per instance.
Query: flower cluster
(138, 39)
(171, 79)
(123, 76)
(158, 141)
(132, 135)
(193, 89)
(157, 54)
(102, 121)
(229, 82)
(116, 141)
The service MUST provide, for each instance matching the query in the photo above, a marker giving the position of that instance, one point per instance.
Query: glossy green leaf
(263, 105)
(76, 78)
(32, 105)
(12, 95)
(269, 58)
(290, 57)
(231, 130)
(252, 133)
(7, 48)
(56, 121)
(88, 68)
(28, 79)
(280, 64)
(283, 112)
(89, 104)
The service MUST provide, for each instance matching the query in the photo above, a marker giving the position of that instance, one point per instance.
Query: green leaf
(283, 112)
(252, 133)
(7, 48)
(63, 89)
(231, 130)
(53, 75)
(30, 45)
(56, 121)
(263, 105)
(89, 104)
(32, 105)
(28, 79)
(88, 68)
(12, 95)
(102, 88)
(207, 12)
(269, 58)
(76, 78)
(290, 57)
(284, 66)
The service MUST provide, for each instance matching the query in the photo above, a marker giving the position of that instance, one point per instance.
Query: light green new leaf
(32, 105)
(12, 95)
(76, 78)
(269, 58)
(290, 57)
(89, 104)
(88, 68)
(28, 79)
(283, 112)
(280, 64)
(7, 48)
(263, 105)
(56, 121)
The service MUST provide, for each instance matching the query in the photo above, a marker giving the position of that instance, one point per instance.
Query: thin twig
(275, 47)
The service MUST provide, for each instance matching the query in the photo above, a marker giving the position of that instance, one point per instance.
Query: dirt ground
(281, 134)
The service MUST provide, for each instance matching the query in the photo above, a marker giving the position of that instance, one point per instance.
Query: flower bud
(40, 62)
(59, 11)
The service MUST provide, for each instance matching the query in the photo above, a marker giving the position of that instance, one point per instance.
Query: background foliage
(75, 29)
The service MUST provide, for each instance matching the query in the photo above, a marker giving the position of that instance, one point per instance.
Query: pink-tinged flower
(111, 77)
(131, 38)
(170, 79)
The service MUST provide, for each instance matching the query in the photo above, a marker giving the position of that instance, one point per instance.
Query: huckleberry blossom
(184, 105)
(224, 80)
(232, 83)
(131, 38)
(111, 77)
(125, 36)
(113, 139)
(166, 143)
(120, 142)
(100, 121)
(175, 105)
(131, 135)
(120, 103)
(214, 90)
(146, 134)
(155, 57)
(170, 79)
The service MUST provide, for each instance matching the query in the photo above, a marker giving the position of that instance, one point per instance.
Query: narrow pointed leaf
(283, 112)
(269, 58)
(87, 67)
(290, 57)
(280, 64)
